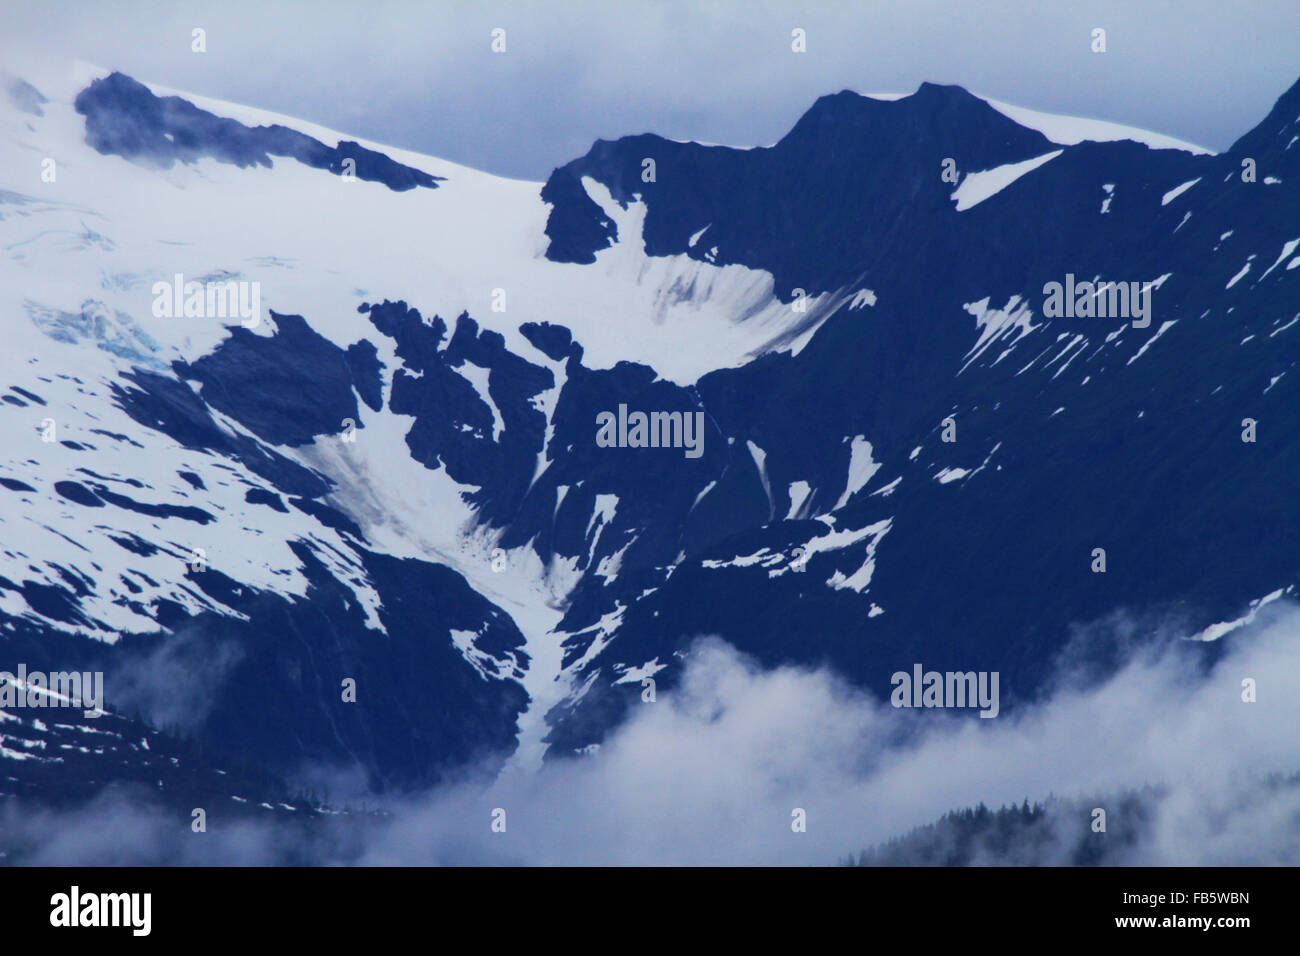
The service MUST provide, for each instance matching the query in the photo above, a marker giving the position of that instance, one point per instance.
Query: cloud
(127, 826)
(711, 772)
(173, 685)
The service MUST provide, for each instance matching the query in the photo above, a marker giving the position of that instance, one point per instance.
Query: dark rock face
(1070, 433)
(124, 118)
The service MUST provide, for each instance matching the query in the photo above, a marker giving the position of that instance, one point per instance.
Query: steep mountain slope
(389, 473)
(1071, 433)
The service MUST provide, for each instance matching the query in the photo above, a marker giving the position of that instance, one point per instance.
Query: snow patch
(1177, 191)
(979, 186)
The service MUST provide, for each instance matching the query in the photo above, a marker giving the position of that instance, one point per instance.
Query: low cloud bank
(715, 772)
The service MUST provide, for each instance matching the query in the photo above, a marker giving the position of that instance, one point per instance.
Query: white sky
(421, 75)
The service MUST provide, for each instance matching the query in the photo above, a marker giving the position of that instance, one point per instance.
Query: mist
(715, 772)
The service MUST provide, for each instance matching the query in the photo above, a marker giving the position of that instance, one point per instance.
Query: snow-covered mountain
(388, 469)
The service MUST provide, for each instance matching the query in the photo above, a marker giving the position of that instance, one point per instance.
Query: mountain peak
(944, 92)
(125, 117)
(934, 112)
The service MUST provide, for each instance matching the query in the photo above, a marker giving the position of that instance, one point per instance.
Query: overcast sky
(422, 75)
